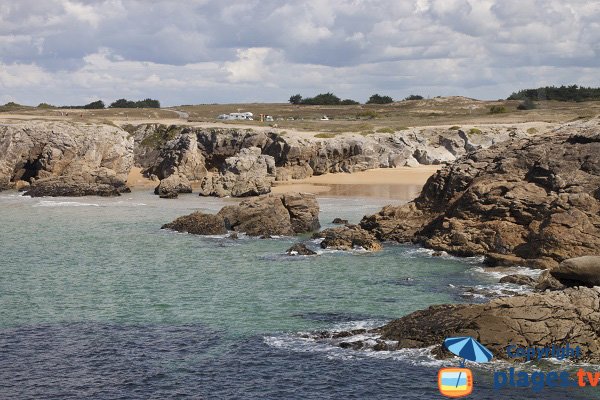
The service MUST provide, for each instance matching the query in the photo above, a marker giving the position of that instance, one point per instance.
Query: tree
(45, 105)
(122, 103)
(146, 103)
(377, 99)
(413, 97)
(349, 102)
(323, 99)
(96, 105)
(295, 99)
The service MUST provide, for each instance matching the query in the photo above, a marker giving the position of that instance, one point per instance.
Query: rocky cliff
(532, 201)
(65, 159)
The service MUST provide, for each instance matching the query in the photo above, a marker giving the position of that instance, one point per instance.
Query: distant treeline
(330, 99)
(121, 103)
(562, 93)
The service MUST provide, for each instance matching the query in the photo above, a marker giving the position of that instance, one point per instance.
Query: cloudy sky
(200, 51)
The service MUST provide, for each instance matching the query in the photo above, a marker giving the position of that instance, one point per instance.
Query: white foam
(500, 272)
(52, 203)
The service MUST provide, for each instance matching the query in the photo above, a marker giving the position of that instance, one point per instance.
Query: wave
(500, 272)
(52, 203)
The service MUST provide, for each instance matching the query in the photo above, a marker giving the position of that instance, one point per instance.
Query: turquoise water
(140, 312)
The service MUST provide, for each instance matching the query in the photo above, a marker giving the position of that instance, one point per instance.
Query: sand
(392, 183)
(136, 180)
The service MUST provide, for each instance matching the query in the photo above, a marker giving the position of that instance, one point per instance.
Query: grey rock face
(56, 157)
(170, 187)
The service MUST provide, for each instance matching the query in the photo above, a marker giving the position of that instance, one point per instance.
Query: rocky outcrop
(539, 319)
(248, 174)
(65, 159)
(339, 221)
(531, 201)
(285, 214)
(348, 237)
(198, 223)
(300, 249)
(518, 279)
(533, 320)
(579, 271)
(169, 188)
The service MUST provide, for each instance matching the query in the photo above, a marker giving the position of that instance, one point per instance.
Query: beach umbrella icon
(469, 349)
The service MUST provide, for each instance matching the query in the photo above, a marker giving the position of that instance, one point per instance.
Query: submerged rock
(339, 221)
(300, 249)
(531, 202)
(198, 223)
(347, 238)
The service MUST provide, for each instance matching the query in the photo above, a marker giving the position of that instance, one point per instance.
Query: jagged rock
(339, 221)
(248, 174)
(579, 271)
(65, 159)
(22, 185)
(518, 279)
(284, 214)
(530, 202)
(300, 249)
(347, 238)
(198, 223)
(170, 187)
(547, 282)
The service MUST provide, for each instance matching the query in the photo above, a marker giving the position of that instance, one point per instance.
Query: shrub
(497, 109)
(454, 128)
(45, 106)
(325, 135)
(385, 130)
(474, 131)
(413, 97)
(377, 99)
(532, 131)
(295, 99)
(146, 103)
(526, 104)
(369, 114)
(563, 93)
(322, 99)
(349, 102)
(96, 105)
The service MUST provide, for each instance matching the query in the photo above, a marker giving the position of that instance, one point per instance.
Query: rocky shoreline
(56, 157)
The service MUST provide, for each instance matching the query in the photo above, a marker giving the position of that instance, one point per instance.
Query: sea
(98, 302)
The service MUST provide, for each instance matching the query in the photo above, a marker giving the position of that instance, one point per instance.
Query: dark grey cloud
(69, 51)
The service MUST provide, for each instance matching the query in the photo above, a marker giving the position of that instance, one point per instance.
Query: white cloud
(64, 51)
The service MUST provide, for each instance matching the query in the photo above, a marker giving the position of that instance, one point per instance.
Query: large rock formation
(532, 201)
(248, 174)
(534, 320)
(65, 159)
(267, 215)
(539, 319)
(579, 271)
(169, 188)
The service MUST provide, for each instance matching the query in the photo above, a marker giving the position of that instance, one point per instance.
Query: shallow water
(98, 302)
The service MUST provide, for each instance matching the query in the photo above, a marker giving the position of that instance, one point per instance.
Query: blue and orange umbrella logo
(458, 382)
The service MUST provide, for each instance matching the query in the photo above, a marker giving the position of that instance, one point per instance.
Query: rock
(65, 159)
(248, 174)
(579, 271)
(233, 236)
(300, 249)
(518, 279)
(347, 238)
(283, 214)
(67, 187)
(22, 185)
(339, 221)
(170, 187)
(532, 320)
(529, 202)
(198, 223)
(547, 282)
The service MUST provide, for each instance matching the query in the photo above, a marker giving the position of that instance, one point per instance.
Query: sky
(70, 52)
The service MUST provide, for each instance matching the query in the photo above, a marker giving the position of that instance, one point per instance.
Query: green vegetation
(146, 103)
(161, 136)
(526, 104)
(454, 128)
(563, 93)
(45, 106)
(474, 131)
(385, 130)
(96, 105)
(497, 109)
(532, 131)
(377, 99)
(325, 135)
(413, 97)
(369, 114)
(322, 99)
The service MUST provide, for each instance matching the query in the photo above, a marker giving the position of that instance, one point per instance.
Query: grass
(454, 128)
(325, 135)
(385, 130)
(161, 136)
(532, 131)
(474, 131)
